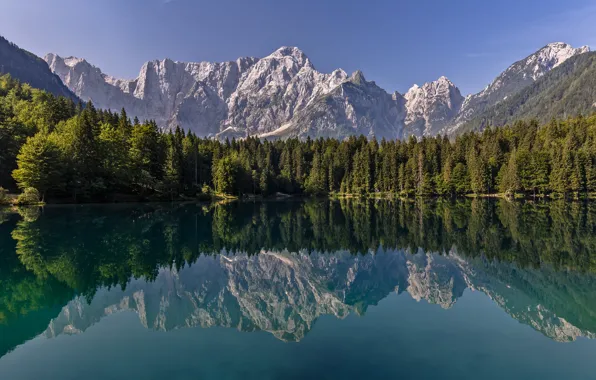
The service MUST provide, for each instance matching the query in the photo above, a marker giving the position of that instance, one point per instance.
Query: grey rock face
(431, 107)
(355, 107)
(191, 95)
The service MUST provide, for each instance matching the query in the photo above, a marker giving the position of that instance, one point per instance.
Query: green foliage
(29, 196)
(460, 180)
(39, 164)
(510, 181)
(225, 174)
(83, 154)
(24, 111)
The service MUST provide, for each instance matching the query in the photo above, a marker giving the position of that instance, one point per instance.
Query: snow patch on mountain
(430, 107)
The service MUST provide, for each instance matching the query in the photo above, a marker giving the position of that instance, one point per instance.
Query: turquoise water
(293, 289)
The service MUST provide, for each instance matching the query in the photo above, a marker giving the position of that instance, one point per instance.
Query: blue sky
(395, 43)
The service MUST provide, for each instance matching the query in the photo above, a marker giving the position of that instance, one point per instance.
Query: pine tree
(146, 156)
(286, 169)
(479, 176)
(510, 182)
(114, 152)
(460, 179)
(540, 172)
(298, 163)
(316, 182)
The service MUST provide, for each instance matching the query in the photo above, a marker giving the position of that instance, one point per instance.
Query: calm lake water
(469, 289)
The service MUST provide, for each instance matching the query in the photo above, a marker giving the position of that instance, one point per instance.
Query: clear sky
(395, 43)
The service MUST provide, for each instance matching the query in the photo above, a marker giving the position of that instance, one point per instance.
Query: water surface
(299, 289)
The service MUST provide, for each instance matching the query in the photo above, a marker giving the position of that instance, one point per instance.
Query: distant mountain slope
(29, 68)
(568, 90)
(515, 78)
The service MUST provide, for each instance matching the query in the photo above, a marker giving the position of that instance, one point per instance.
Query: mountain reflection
(278, 266)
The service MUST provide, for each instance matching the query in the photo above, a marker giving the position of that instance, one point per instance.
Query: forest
(57, 150)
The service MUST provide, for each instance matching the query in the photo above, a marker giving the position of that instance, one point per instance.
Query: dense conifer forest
(55, 149)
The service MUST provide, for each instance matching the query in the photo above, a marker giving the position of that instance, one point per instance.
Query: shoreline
(225, 198)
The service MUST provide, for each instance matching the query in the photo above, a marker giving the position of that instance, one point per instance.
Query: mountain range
(283, 95)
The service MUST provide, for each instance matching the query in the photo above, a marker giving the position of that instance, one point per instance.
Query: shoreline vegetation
(15, 201)
(55, 151)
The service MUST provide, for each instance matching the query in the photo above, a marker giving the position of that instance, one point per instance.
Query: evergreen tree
(510, 182)
(479, 175)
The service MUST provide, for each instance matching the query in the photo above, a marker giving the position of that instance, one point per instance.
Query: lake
(300, 289)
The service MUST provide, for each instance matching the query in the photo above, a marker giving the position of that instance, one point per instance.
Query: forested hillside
(29, 68)
(83, 154)
(566, 91)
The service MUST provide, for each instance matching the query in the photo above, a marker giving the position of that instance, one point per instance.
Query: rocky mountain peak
(564, 50)
(549, 57)
(435, 88)
(290, 56)
(59, 64)
(339, 74)
(444, 79)
(357, 77)
(414, 88)
(70, 61)
(430, 107)
(289, 51)
(82, 78)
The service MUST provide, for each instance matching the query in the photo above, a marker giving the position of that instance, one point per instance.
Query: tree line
(77, 152)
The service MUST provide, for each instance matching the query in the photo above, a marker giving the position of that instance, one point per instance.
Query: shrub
(30, 196)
